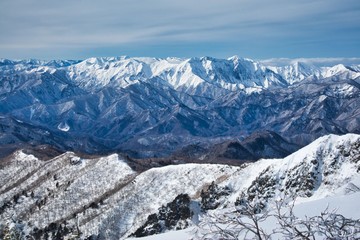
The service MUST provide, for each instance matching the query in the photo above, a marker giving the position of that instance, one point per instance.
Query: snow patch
(64, 127)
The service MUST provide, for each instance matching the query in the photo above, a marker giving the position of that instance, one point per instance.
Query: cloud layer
(253, 28)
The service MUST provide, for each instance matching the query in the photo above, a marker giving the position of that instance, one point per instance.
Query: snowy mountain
(105, 198)
(153, 107)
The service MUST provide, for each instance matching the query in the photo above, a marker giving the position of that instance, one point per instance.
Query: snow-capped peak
(341, 69)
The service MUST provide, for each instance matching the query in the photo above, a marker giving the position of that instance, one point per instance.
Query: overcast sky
(259, 29)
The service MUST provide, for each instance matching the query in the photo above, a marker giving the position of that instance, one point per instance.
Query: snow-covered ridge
(232, 74)
(106, 198)
(188, 73)
(321, 169)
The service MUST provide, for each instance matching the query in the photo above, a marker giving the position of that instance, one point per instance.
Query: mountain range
(150, 107)
(117, 148)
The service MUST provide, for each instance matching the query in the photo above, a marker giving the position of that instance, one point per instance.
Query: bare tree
(290, 226)
(352, 188)
(245, 222)
(329, 224)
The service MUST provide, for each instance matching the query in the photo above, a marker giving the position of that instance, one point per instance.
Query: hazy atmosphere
(260, 29)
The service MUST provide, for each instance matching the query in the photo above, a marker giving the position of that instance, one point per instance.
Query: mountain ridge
(103, 197)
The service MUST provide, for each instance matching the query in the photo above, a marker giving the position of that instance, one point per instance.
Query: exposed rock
(174, 216)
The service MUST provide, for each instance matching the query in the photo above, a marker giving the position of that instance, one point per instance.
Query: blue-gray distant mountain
(154, 107)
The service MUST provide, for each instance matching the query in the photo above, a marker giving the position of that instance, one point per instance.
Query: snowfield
(345, 205)
(104, 197)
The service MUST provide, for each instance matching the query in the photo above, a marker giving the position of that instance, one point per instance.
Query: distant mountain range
(197, 107)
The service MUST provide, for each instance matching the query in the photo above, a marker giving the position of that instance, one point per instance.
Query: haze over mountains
(155, 107)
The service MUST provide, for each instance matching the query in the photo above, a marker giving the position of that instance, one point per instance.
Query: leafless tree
(246, 220)
(329, 224)
(243, 222)
(352, 188)
(290, 226)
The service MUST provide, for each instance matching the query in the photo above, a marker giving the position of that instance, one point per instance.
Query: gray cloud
(47, 25)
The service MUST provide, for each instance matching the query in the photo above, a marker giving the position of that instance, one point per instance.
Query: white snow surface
(320, 154)
(344, 204)
(71, 183)
(330, 191)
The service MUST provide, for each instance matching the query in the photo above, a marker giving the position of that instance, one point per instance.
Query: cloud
(321, 62)
(26, 25)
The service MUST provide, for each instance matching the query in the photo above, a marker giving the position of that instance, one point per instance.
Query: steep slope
(152, 107)
(323, 168)
(69, 190)
(314, 175)
(105, 198)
